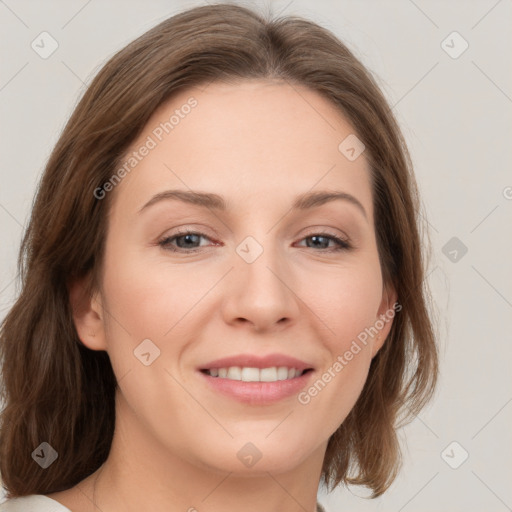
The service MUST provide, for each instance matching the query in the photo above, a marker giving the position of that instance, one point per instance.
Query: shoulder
(32, 503)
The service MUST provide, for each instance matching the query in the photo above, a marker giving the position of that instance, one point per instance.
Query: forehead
(255, 140)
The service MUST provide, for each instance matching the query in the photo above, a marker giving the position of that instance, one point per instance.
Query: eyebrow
(212, 201)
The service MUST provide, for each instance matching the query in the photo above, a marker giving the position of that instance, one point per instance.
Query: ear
(385, 315)
(87, 312)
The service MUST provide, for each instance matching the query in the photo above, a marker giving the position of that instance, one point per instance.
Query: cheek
(347, 301)
(148, 301)
(348, 307)
(347, 304)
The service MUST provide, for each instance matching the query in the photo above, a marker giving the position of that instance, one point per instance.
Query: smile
(248, 374)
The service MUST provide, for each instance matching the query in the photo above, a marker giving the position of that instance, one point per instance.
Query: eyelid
(315, 230)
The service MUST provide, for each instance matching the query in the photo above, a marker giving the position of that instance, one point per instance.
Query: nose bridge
(258, 263)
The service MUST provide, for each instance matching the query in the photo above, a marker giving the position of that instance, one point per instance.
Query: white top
(41, 503)
(32, 503)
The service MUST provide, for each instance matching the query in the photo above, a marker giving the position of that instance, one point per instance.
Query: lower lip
(258, 393)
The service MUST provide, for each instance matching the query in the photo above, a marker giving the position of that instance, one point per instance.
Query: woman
(223, 298)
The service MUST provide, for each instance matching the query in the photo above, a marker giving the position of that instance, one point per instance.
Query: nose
(261, 293)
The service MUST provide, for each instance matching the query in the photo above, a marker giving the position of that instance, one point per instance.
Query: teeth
(234, 373)
(282, 373)
(268, 374)
(272, 374)
(249, 374)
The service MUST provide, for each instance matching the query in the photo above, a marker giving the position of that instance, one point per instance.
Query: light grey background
(456, 114)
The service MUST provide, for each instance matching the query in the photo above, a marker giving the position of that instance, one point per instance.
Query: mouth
(249, 374)
(257, 386)
(255, 379)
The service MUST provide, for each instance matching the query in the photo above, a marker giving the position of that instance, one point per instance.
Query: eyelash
(342, 244)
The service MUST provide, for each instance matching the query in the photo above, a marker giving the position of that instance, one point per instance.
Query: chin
(257, 459)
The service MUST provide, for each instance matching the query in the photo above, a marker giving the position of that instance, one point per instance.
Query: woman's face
(260, 277)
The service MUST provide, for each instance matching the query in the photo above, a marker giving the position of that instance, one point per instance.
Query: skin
(259, 144)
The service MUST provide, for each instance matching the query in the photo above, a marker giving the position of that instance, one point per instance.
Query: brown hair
(56, 390)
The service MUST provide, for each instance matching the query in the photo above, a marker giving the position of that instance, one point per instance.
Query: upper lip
(253, 361)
